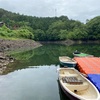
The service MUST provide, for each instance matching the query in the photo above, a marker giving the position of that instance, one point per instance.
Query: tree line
(48, 28)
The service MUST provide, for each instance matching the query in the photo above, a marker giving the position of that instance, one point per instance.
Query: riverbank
(71, 42)
(12, 45)
(9, 45)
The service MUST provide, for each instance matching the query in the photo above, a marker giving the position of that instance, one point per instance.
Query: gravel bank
(9, 45)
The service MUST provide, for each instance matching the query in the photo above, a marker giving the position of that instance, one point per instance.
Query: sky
(74, 9)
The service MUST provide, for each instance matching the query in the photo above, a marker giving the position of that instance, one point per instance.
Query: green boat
(82, 55)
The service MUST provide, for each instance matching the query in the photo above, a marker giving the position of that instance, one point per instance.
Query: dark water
(33, 76)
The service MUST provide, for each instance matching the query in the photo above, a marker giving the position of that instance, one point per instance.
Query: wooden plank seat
(71, 80)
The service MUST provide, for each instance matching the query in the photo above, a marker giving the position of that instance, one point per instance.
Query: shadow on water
(62, 94)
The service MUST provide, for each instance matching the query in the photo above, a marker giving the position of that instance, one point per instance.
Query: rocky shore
(9, 45)
(4, 61)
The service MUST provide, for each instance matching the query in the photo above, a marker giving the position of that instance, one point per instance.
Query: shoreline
(71, 42)
(12, 45)
(9, 45)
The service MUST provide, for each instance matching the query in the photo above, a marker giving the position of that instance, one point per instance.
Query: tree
(39, 34)
(93, 27)
(77, 34)
(4, 31)
(63, 34)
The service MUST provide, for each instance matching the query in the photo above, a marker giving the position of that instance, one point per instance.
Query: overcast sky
(74, 9)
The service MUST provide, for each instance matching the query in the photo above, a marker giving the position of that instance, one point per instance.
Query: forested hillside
(48, 28)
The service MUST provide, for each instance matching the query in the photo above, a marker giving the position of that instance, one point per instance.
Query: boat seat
(78, 87)
(72, 80)
(70, 75)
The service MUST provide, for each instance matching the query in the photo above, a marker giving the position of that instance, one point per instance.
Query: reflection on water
(30, 84)
(33, 75)
(49, 54)
(62, 94)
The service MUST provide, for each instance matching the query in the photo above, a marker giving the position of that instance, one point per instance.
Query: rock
(4, 61)
(2, 57)
(9, 45)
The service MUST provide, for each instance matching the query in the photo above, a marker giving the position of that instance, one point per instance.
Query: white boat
(76, 86)
(67, 61)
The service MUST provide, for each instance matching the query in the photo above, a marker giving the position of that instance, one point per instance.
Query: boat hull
(67, 93)
(82, 55)
(68, 64)
(67, 61)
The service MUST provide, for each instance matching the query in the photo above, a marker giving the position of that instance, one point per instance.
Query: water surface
(39, 83)
(33, 76)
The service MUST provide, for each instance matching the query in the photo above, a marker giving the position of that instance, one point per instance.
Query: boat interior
(76, 83)
(66, 59)
(73, 80)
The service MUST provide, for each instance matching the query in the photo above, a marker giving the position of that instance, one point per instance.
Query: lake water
(33, 76)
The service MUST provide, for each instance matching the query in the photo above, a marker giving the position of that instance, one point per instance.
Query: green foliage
(39, 34)
(48, 28)
(63, 34)
(23, 33)
(77, 34)
(19, 33)
(93, 27)
(4, 31)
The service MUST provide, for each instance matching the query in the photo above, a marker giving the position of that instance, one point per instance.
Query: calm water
(33, 76)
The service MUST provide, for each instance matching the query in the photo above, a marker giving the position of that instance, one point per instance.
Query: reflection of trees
(24, 55)
(49, 54)
(92, 49)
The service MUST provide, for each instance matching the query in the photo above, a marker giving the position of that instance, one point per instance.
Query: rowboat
(67, 61)
(80, 54)
(76, 86)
